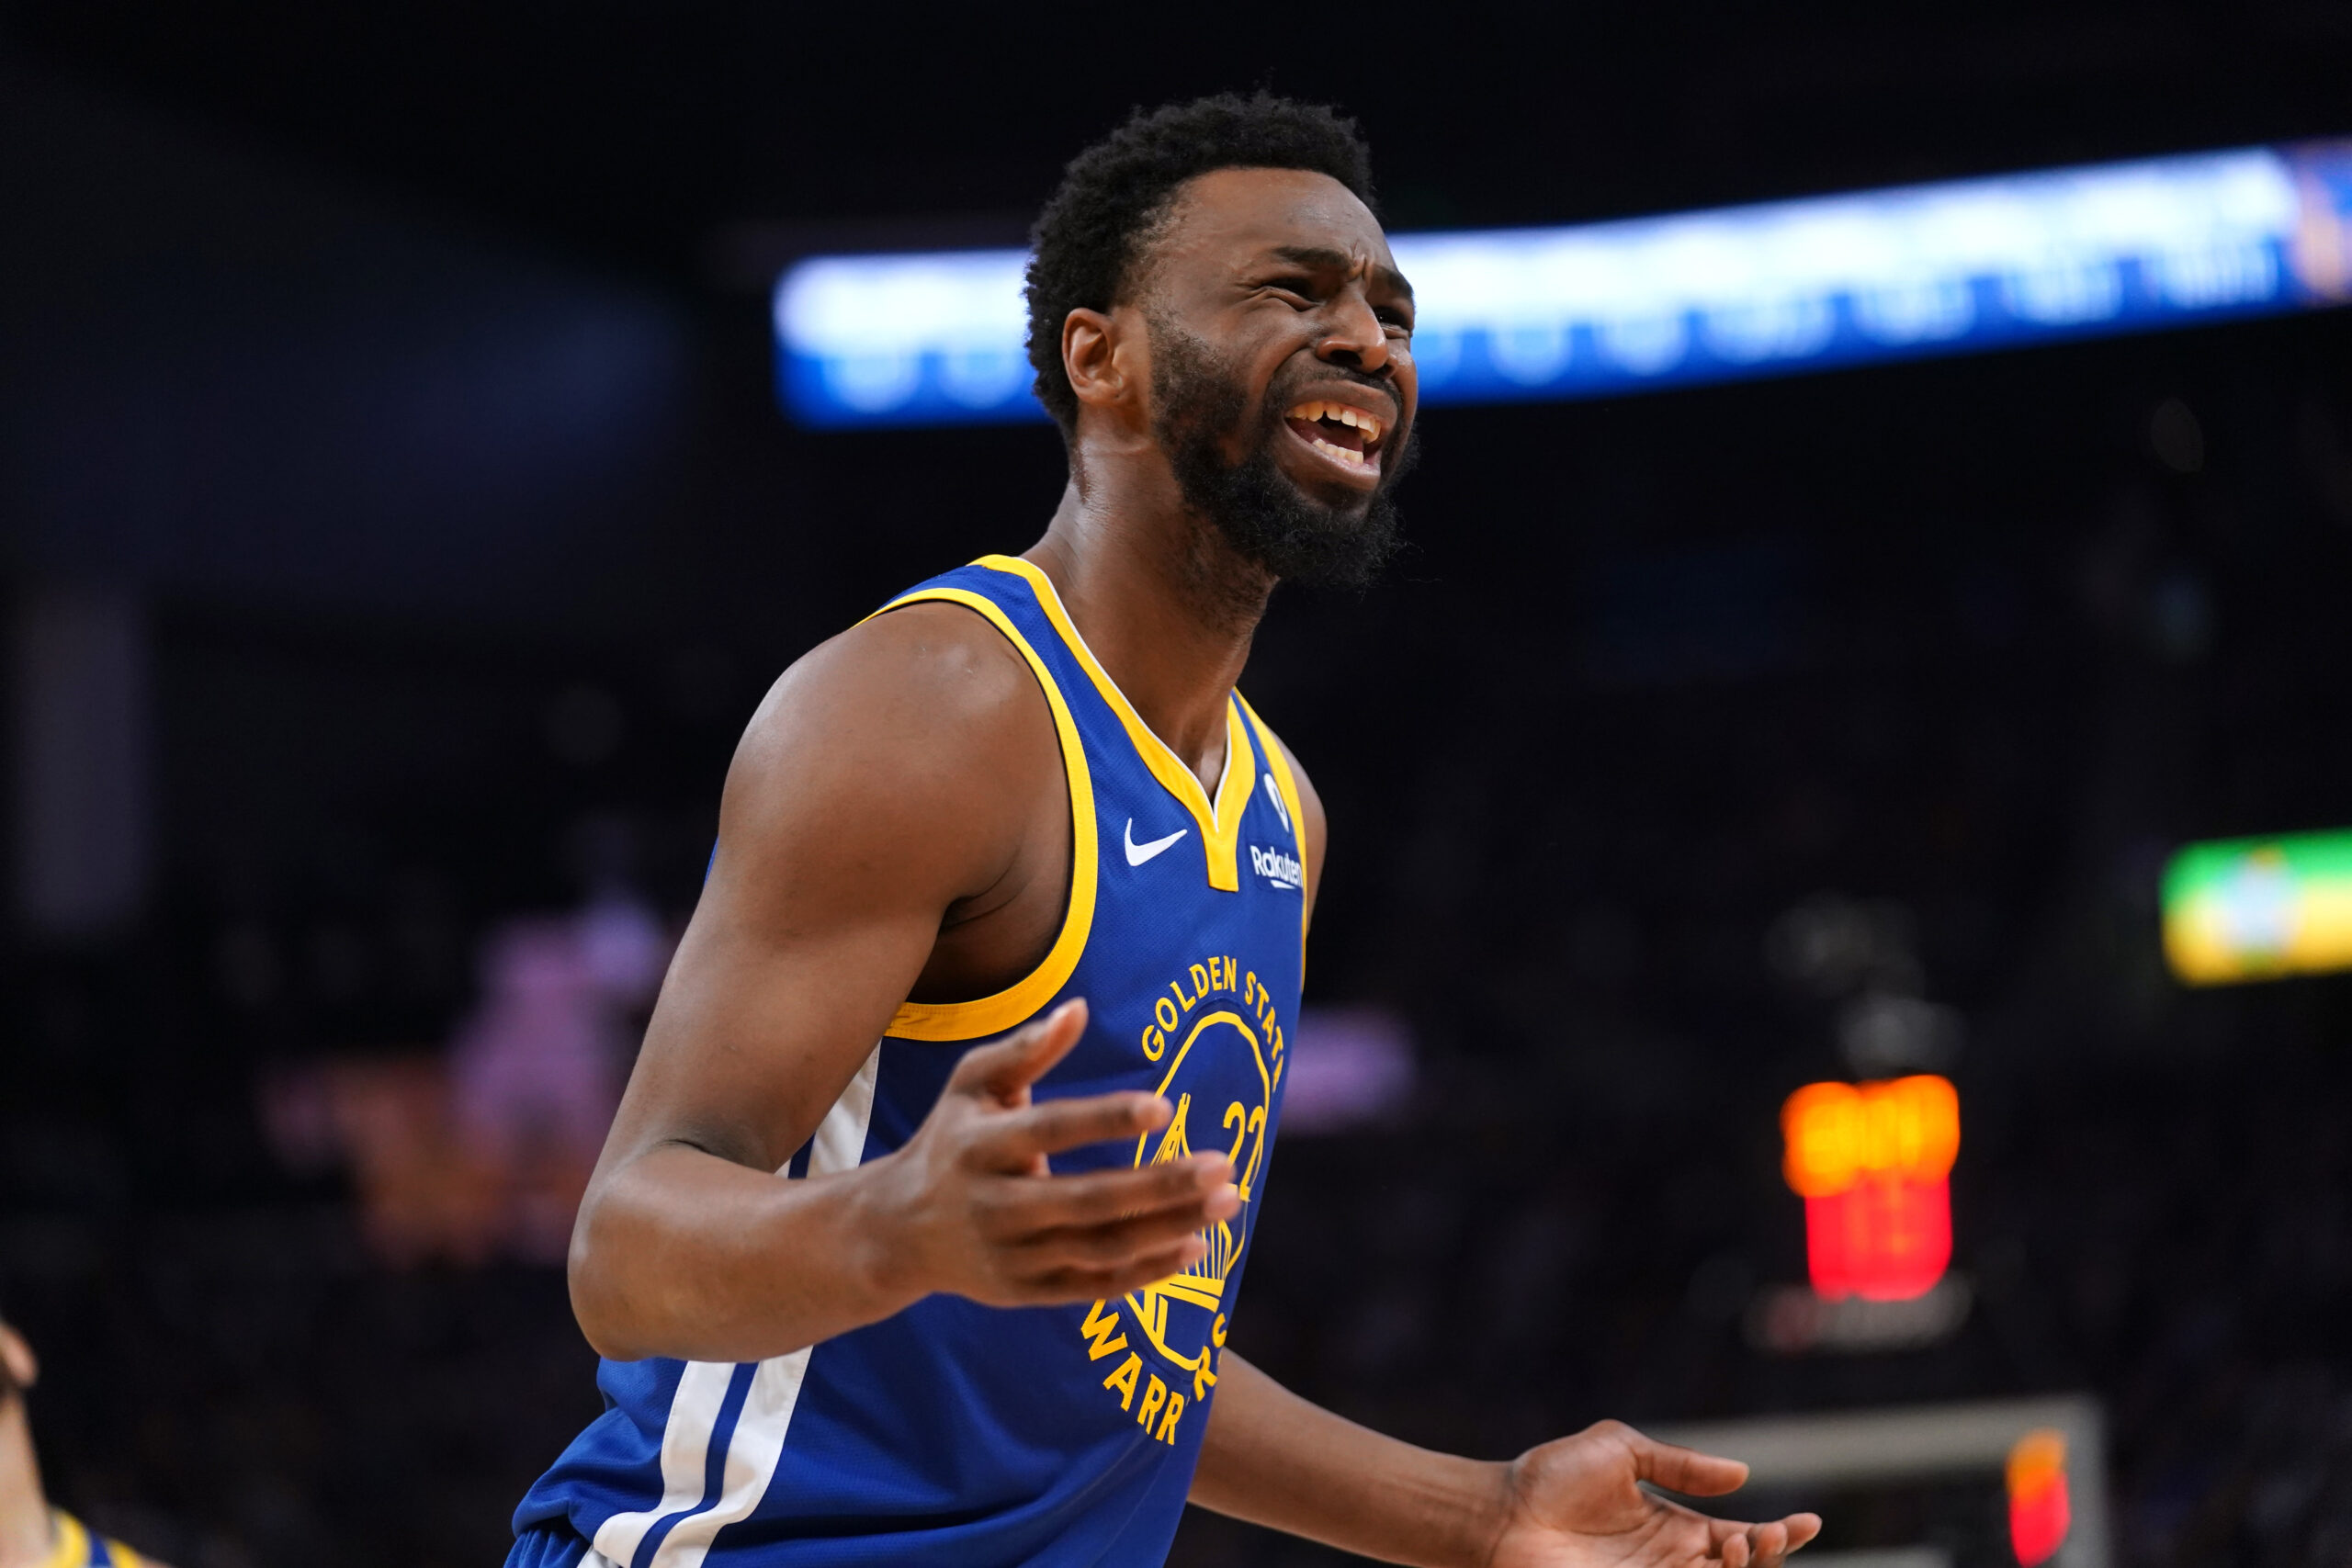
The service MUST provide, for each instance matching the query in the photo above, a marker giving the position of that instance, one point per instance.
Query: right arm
(888, 780)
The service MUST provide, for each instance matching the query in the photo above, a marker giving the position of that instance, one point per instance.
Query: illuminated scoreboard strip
(2259, 909)
(1604, 309)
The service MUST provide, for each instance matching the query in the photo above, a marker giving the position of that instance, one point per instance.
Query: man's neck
(1166, 604)
(25, 1535)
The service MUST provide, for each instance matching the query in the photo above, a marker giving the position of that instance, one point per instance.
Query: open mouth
(1343, 433)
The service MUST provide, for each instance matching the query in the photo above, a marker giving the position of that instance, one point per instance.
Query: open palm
(1577, 1504)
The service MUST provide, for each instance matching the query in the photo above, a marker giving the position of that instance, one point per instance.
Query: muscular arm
(888, 787)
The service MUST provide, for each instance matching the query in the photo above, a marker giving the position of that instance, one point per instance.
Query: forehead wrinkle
(1338, 260)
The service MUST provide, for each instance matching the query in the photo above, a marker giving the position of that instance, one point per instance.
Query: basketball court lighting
(1604, 309)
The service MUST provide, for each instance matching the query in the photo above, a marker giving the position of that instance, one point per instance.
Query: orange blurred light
(2038, 1510)
(1871, 1162)
(1837, 1133)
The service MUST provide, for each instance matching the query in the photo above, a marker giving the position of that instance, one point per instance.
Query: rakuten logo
(1277, 866)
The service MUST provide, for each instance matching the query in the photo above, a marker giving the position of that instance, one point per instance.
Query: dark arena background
(400, 523)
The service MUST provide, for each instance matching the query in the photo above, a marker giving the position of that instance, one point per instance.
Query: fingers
(1066, 1285)
(1119, 1243)
(1765, 1545)
(1794, 1532)
(1202, 1184)
(1141, 1239)
(1007, 1068)
(1682, 1469)
(1014, 1139)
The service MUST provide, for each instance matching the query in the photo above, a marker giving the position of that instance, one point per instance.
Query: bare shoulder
(914, 675)
(921, 731)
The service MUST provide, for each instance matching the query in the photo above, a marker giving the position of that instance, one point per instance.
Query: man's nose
(1355, 336)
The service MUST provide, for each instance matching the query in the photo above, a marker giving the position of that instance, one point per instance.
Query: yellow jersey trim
(1221, 823)
(72, 1550)
(1280, 766)
(1020, 1001)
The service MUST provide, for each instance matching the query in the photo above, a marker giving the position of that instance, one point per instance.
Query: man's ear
(1102, 364)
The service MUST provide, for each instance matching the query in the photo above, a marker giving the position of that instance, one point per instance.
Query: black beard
(1258, 509)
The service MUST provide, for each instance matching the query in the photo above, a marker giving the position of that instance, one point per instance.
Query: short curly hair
(1086, 244)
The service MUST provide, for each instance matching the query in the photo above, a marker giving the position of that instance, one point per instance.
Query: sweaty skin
(896, 824)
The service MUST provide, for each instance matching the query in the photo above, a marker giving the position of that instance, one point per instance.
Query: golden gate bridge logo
(1184, 1316)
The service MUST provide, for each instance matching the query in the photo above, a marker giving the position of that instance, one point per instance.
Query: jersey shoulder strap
(1006, 602)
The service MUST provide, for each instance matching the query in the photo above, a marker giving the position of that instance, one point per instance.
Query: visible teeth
(1340, 413)
(1340, 452)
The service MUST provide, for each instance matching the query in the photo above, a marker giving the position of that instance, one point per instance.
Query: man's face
(1283, 383)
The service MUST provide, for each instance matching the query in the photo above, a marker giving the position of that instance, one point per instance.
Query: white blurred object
(1886, 1036)
(1833, 944)
(1349, 1068)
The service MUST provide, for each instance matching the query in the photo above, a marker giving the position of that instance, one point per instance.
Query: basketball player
(32, 1533)
(918, 1236)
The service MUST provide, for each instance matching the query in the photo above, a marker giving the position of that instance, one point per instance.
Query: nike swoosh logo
(1138, 853)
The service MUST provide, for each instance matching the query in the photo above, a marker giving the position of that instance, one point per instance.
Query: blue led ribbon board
(1603, 309)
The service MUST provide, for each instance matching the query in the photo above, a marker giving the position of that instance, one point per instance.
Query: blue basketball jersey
(955, 1433)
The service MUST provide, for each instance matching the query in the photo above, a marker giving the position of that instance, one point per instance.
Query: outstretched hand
(971, 1206)
(1575, 1504)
